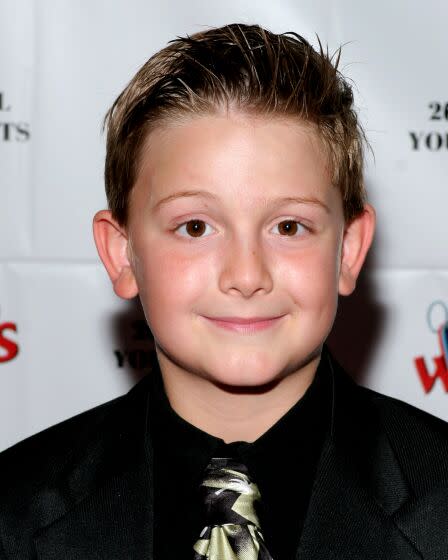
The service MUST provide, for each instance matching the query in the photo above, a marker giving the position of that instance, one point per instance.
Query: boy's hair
(250, 70)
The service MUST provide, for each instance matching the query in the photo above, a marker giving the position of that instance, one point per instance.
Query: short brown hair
(251, 69)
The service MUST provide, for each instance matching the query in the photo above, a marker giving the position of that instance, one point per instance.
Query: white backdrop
(66, 342)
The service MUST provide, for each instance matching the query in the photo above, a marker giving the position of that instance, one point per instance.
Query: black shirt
(282, 462)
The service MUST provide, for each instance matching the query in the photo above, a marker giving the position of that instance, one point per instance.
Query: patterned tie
(233, 529)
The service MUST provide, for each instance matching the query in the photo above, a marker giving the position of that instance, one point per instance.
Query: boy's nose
(244, 269)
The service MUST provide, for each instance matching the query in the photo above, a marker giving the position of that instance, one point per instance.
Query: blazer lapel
(358, 487)
(108, 494)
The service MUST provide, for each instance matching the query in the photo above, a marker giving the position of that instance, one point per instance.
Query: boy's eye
(194, 228)
(290, 228)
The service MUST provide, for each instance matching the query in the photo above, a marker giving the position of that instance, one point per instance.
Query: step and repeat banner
(67, 342)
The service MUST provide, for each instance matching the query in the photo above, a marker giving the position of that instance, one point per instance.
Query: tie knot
(229, 494)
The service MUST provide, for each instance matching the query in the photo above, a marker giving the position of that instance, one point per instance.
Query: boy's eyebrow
(277, 201)
(184, 194)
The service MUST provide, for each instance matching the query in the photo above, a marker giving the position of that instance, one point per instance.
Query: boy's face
(235, 218)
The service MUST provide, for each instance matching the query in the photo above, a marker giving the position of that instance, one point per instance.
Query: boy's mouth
(245, 325)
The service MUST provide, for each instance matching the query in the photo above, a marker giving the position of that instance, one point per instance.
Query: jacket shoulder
(419, 440)
(48, 474)
(75, 443)
(43, 455)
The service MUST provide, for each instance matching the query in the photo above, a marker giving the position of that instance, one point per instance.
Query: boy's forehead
(257, 158)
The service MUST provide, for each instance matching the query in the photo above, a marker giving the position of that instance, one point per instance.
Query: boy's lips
(245, 325)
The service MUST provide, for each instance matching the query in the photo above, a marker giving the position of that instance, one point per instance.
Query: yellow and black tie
(233, 530)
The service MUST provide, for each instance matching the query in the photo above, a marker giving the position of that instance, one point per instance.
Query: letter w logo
(441, 370)
(428, 379)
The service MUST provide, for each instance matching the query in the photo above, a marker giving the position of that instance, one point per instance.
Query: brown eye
(193, 228)
(289, 227)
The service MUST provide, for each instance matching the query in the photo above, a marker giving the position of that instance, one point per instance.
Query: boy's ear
(112, 244)
(357, 239)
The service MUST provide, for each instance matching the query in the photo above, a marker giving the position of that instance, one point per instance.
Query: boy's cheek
(310, 270)
(172, 278)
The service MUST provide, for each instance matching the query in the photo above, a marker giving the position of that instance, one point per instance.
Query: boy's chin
(252, 386)
(253, 372)
(262, 375)
(235, 374)
(245, 382)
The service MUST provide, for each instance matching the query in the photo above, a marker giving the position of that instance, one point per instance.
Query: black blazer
(82, 489)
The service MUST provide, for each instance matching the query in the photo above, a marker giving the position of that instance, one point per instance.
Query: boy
(237, 212)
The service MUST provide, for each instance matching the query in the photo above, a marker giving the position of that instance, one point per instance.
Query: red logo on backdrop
(8, 348)
(439, 369)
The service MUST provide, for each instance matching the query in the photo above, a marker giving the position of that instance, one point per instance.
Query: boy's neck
(229, 415)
